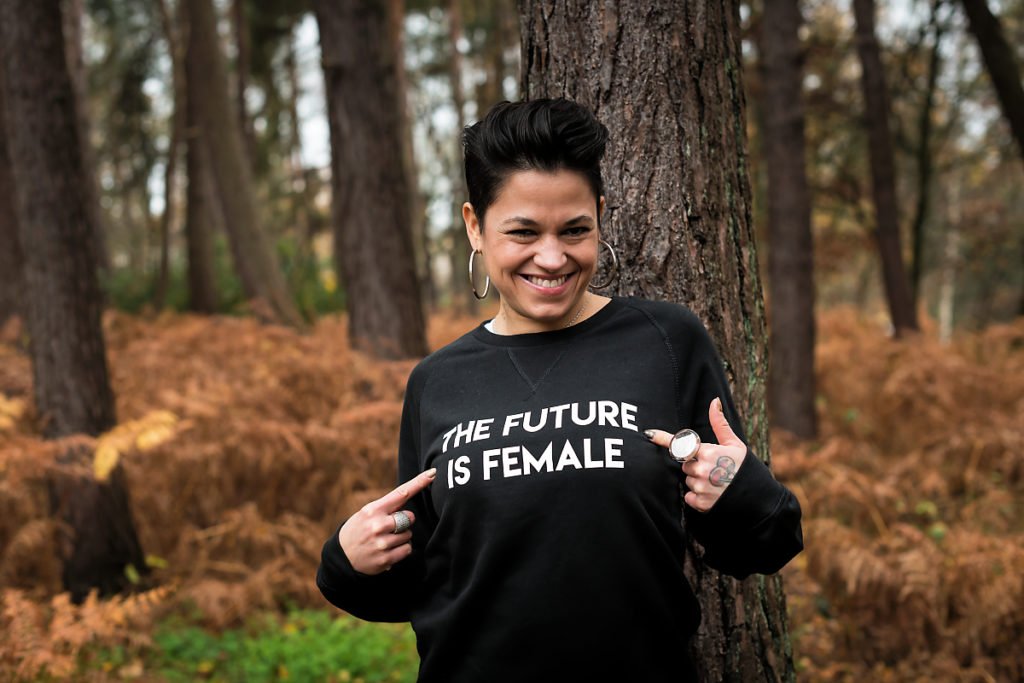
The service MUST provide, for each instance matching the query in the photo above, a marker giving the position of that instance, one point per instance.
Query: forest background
(257, 394)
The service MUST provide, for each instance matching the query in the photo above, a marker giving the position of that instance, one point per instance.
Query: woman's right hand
(368, 537)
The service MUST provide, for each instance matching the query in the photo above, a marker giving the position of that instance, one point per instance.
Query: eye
(521, 233)
(577, 231)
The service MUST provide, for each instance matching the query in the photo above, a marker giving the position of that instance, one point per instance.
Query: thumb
(723, 432)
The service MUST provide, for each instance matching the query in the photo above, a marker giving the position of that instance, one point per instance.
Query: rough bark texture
(72, 392)
(12, 290)
(664, 76)
(253, 252)
(1000, 63)
(790, 256)
(883, 170)
(372, 239)
(72, 15)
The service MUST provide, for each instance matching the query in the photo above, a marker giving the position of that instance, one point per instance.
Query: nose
(550, 254)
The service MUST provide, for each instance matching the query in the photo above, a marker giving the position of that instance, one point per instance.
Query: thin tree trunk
(203, 212)
(171, 167)
(462, 296)
(790, 256)
(254, 254)
(883, 171)
(12, 288)
(69, 364)
(243, 69)
(1001, 65)
(372, 243)
(664, 77)
(72, 26)
(417, 205)
(924, 157)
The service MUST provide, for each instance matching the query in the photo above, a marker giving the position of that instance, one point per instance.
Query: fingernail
(720, 405)
(649, 434)
(432, 472)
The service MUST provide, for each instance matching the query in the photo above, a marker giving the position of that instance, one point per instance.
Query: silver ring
(684, 445)
(402, 521)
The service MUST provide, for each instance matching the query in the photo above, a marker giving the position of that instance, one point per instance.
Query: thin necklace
(579, 312)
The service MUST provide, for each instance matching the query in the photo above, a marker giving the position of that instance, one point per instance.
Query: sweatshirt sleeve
(754, 527)
(387, 596)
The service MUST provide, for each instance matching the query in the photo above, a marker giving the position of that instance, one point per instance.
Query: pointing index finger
(394, 500)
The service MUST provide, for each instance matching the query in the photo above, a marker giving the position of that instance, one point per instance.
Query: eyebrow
(530, 223)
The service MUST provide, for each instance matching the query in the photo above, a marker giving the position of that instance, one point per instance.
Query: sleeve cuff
(334, 560)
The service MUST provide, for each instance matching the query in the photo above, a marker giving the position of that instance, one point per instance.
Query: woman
(545, 540)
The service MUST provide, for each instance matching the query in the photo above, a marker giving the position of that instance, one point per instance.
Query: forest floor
(243, 445)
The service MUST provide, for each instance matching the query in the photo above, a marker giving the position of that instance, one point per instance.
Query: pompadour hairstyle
(543, 135)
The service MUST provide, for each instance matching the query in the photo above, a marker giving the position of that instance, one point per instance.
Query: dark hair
(544, 134)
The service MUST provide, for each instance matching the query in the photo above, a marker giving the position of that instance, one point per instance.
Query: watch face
(684, 445)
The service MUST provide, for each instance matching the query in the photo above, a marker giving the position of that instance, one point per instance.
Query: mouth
(548, 284)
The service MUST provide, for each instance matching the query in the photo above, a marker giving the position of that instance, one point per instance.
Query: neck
(507, 322)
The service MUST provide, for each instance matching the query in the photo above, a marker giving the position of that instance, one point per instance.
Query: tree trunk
(462, 296)
(203, 213)
(372, 239)
(883, 170)
(12, 289)
(1001, 65)
(72, 391)
(924, 156)
(417, 204)
(243, 69)
(72, 27)
(254, 254)
(790, 256)
(171, 167)
(664, 76)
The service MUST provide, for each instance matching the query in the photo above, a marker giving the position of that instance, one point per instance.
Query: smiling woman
(551, 545)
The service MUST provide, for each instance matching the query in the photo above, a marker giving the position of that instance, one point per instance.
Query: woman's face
(540, 246)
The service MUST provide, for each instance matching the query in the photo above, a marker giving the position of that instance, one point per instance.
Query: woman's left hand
(712, 469)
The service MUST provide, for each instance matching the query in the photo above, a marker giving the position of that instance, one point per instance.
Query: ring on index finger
(402, 521)
(684, 445)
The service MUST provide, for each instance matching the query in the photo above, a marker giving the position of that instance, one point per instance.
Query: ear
(472, 225)
(600, 210)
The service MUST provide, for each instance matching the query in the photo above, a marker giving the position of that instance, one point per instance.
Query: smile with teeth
(548, 284)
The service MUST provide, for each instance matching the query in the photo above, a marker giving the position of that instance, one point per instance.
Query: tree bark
(790, 244)
(243, 69)
(883, 170)
(372, 239)
(69, 364)
(664, 76)
(171, 167)
(12, 288)
(203, 213)
(72, 27)
(924, 156)
(253, 252)
(462, 296)
(1001, 65)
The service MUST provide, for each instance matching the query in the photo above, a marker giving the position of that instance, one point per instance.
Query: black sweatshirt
(549, 547)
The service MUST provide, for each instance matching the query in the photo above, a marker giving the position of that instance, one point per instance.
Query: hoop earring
(614, 272)
(472, 282)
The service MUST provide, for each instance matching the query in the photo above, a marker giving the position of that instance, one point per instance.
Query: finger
(391, 541)
(720, 425)
(694, 501)
(393, 501)
(696, 484)
(384, 524)
(396, 555)
(658, 437)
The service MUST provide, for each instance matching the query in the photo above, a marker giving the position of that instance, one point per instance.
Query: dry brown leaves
(914, 567)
